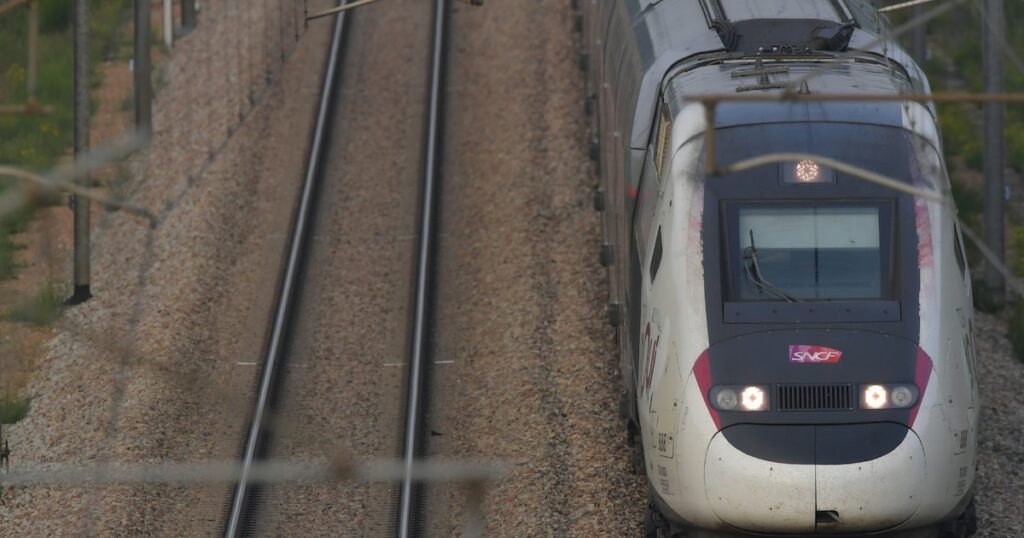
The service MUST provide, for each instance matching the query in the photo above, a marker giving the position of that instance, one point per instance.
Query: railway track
(417, 398)
(246, 494)
(407, 519)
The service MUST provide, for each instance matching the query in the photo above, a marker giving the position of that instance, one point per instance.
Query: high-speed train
(796, 341)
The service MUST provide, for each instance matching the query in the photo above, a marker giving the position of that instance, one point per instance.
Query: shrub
(1016, 330)
(9, 226)
(1015, 149)
(973, 155)
(54, 15)
(13, 408)
(1017, 241)
(43, 309)
(957, 128)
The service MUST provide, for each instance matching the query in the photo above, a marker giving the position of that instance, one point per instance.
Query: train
(795, 341)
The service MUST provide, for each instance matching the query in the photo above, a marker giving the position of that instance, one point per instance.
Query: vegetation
(13, 408)
(38, 141)
(957, 55)
(1015, 330)
(956, 60)
(955, 42)
(42, 309)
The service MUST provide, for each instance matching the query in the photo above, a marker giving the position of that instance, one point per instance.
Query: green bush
(1016, 330)
(55, 15)
(13, 408)
(42, 309)
(974, 155)
(38, 142)
(8, 262)
(9, 226)
(969, 202)
(959, 132)
(1017, 240)
(1015, 149)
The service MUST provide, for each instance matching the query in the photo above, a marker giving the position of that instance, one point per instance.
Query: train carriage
(796, 342)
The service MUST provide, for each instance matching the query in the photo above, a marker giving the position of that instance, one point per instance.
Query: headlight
(753, 399)
(892, 396)
(739, 398)
(726, 399)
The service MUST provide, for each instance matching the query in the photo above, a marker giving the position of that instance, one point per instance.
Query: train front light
(875, 397)
(753, 399)
(726, 399)
(739, 398)
(892, 396)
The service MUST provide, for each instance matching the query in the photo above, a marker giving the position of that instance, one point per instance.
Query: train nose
(801, 479)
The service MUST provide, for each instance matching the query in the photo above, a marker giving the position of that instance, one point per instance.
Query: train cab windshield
(799, 252)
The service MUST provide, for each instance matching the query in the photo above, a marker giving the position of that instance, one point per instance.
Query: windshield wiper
(753, 272)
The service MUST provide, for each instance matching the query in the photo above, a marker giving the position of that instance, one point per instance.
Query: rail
(417, 402)
(243, 501)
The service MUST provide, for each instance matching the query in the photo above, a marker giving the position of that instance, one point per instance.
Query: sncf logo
(816, 354)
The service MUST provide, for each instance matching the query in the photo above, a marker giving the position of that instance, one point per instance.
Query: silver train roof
(676, 41)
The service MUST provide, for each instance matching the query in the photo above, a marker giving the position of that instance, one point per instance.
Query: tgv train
(796, 342)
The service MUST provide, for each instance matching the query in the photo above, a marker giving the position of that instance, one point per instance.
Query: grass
(10, 226)
(38, 142)
(42, 309)
(13, 408)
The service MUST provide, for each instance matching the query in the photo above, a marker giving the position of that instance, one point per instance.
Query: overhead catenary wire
(361, 3)
(902, 5)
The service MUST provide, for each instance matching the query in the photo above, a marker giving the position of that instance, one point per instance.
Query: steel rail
(408, 516)
(289, 283)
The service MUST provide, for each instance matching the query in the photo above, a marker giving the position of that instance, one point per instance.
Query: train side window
(656, 256)
(958, 249)
(661, 142)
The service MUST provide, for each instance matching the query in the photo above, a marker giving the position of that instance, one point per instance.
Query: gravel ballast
(344, 385)
(527, 371)
(526, 368)
(1000, 479)
(158, 366)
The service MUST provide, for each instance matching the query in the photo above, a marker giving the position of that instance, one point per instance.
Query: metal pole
(141, 70)
(80, 205)
(188, 15)
(918, 38)
(168, 23)
(993, 32)
(33, 54)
